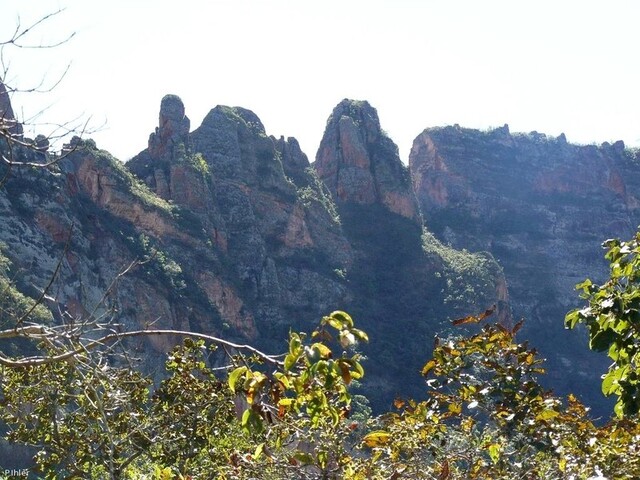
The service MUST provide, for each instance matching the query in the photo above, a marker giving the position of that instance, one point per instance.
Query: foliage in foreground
(485, 416)
(612, 317)
(90, 414)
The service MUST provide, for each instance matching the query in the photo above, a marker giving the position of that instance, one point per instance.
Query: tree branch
(40, 331)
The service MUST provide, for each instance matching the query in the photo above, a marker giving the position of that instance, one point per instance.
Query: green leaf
(359, 334)
(547, 414)
(251, 422)
(295, 344)
(610, 382)
(494, 452)
(584, 286)
(258, 451)
(234, 376)
(289, 361)
(323, 351)
(283, 379)
(323, 459)
(343, 318)
(618, 409)
(358, 371)
(572, 319)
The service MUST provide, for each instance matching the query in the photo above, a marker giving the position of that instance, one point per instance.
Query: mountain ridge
(243, 237)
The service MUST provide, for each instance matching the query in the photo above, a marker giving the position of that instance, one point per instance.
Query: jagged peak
(171, 108)
(355, 108)
(294, 160)
(172, 130)
(361, 114)
(360, 164)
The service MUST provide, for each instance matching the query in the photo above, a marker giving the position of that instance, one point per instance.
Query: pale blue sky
(551, 66)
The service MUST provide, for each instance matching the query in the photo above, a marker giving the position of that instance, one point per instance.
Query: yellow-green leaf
(494, 452)
(258, 452)
(428, 367)
(547, 414)
(234, 376)
(289, 361)
(322, 349)
(342, 317)
(376, 438)
(359, 334)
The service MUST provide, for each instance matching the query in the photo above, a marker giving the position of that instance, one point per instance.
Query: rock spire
(360, 163)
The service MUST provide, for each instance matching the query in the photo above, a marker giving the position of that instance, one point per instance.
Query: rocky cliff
(240, 236)
(280, 243)
(542, 207)
(359, 163)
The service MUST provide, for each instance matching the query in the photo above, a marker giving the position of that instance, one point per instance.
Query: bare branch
(27, 331)
(40, 331)
(20, 34)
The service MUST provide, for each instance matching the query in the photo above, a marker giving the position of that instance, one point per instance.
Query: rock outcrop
(231, 177)
(172, 131)
(359, 163)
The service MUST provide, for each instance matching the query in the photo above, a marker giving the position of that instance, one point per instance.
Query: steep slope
(542, 207)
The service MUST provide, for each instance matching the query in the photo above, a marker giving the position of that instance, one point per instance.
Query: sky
(551, 66)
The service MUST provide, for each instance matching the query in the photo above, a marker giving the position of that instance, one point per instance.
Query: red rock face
(229, 305)
(590, 171)
(433, 182)
(297, 234)
(188, 188)
(98, 183)
(361, 165)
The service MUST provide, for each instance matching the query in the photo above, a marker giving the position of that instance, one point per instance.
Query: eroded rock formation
(360, 164)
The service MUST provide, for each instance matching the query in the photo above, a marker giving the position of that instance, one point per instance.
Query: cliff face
(229, 175)
(542, 207)
(242, 237)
